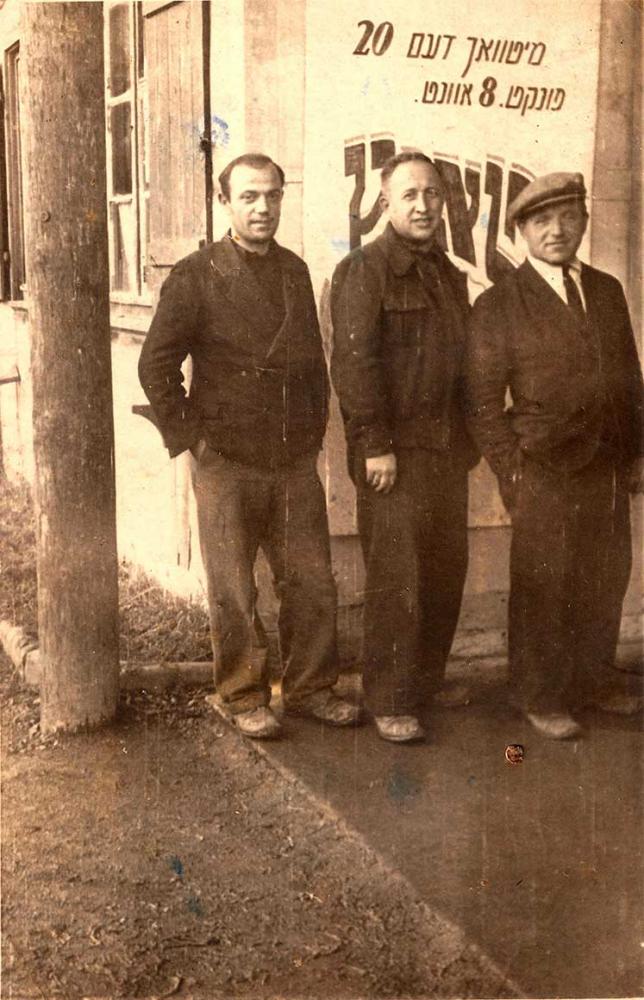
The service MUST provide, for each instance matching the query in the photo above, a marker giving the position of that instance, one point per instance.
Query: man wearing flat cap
(555, 402)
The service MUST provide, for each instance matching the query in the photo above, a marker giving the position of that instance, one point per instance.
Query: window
(5, 257)
(127, 175)
(13, 232)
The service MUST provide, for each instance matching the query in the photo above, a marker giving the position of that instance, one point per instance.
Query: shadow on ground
(165, 856)
(539, 862)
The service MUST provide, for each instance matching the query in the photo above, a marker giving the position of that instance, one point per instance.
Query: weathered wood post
(68, 295)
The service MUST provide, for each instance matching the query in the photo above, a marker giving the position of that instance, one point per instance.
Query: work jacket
(399, 336)
(261, 405)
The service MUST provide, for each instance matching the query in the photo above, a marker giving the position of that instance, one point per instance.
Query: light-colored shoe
(326, 706)
(258, 723)
(454, 696)
(554, 725)
(399, 728)
(617, 702)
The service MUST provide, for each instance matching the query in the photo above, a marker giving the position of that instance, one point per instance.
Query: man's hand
(636, 476)
(198, 449)
(381, 472)
(507, 489)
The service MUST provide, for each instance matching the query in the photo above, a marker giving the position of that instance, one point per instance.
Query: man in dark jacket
(399, 310)
(556, 336)
(254, 419)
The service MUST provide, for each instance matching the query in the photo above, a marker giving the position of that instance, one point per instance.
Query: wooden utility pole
(68, 297)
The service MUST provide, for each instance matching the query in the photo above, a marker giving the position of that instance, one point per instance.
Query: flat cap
(546, 190)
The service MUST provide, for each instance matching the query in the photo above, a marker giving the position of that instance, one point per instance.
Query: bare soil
(163, 857)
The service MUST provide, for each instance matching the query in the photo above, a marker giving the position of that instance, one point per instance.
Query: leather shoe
(399, 728)
(616, 702)
(326, 706)
(554, 725)
(258, 723)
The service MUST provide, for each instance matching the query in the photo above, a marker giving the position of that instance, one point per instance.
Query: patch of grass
(17, 556)
(155, 625)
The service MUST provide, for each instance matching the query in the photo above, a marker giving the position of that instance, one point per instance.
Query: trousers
(570, 562)
(240, 509)
(414, 541)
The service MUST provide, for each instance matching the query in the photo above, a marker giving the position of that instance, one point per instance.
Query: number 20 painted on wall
(382, 37)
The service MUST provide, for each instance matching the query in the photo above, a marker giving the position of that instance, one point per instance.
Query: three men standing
(400, 310)
(254, 418)
(556, 335)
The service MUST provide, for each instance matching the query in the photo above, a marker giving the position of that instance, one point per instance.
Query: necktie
(573, 297)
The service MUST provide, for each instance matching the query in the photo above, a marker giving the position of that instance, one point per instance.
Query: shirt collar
(553, 272)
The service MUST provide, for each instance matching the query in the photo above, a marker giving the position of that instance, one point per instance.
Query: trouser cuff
(247, 703)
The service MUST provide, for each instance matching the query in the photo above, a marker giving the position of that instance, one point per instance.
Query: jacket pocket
(405, 310)
(405, 324)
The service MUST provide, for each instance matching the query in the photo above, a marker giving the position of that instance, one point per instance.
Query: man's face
(413, 198)
(553, 233)
(254, 206)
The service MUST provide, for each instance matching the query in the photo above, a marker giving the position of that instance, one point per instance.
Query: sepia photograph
(321, 500)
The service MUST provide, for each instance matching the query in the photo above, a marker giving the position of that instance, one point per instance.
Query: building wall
(15, 397)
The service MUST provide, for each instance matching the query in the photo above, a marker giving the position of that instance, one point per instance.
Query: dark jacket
(572, 386)
(398, 345)
(262, 406)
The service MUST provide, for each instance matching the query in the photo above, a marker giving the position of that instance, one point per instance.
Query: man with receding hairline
(399, 310)
(254, 419)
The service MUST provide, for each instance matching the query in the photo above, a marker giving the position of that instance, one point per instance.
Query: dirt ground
(163, 857)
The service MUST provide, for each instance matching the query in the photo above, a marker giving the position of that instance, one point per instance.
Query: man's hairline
(267, 166)
(280, 190)
(384, 182)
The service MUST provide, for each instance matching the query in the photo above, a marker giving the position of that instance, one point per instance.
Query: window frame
(136, 201)
(15, 216)
(5, 253)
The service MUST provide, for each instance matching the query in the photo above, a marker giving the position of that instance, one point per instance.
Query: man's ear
(221, 197)
(383, 201)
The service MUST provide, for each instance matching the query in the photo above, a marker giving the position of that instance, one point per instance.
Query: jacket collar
(543, 299)
(552, 274)
(399, 254)
(230, 263)
(242, 290)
